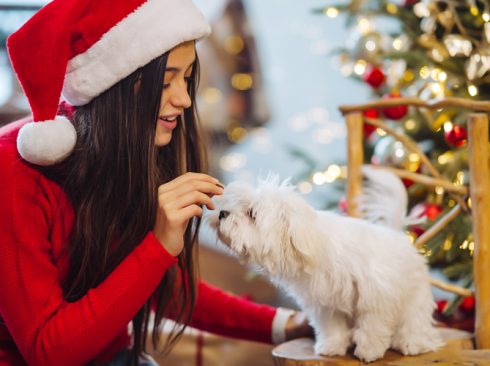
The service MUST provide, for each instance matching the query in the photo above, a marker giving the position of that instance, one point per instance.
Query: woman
(100, 205)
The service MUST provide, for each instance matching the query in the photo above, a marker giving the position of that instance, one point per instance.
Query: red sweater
(37, 326)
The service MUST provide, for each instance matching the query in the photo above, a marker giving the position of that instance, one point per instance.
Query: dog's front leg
(372, 335)
(333, 334)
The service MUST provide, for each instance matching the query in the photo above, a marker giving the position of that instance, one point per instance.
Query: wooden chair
(462, 348)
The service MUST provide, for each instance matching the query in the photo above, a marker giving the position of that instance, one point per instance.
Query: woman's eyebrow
(177, 69)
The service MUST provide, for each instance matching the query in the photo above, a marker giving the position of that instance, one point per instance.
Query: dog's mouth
(243, 253)
(224, 238)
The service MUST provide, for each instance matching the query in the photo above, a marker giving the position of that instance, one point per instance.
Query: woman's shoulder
(18, 176)
(26, 195)
(10, 160)
(8, 136)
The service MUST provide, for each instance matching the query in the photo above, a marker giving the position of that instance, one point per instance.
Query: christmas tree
(427, 49)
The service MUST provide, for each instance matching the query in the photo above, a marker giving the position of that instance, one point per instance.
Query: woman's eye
(187, 79)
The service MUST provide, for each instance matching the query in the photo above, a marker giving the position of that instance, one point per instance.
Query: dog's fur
(359, 282)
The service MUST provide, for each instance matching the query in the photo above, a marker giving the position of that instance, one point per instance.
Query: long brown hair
(111, 179)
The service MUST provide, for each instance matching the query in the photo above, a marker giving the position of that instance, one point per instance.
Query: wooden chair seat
(459, 350)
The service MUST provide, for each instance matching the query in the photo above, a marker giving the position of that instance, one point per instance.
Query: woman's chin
(163, 139)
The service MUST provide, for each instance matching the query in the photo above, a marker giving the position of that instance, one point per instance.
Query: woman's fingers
(191, 198)
(186, 178)
(179, 201)
(179, 218)
(210, 189)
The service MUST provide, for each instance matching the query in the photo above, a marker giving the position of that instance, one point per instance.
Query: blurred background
(273, 76)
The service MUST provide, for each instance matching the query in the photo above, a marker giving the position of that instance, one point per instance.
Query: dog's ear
(303, 232)
(270, 219)
(289, 236)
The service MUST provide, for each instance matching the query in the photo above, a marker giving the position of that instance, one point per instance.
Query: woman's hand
(298, 326)
(178, 201)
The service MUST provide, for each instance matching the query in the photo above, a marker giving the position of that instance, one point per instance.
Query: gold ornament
(442, 118)
(391, 8)
(446, 19)
(446, 158)
(427, 40)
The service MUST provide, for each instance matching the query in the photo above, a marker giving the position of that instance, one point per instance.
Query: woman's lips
(169, 125)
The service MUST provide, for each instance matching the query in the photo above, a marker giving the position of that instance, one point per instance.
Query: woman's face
(175, 97)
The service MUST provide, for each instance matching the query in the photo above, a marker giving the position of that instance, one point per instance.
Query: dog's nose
(223, 214)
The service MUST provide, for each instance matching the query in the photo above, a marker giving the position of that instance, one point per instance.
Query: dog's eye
(251, 214)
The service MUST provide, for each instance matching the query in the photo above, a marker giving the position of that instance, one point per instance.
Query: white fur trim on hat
(46, 142)
(151, 30)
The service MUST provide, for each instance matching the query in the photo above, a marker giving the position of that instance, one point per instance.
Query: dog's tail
(384, 199)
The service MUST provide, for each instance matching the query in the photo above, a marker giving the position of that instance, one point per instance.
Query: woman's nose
(223, 214)
(181, 98)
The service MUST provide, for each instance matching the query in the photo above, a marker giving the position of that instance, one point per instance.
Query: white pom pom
(46, 142)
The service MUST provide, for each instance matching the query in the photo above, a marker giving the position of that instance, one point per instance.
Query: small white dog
(359, 282)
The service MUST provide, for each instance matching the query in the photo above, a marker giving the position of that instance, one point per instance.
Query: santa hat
(78, 49)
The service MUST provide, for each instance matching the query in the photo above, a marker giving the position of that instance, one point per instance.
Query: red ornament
(374, 76)
(397, 112)
(456, 137)
(441, 305)
(367, 128)
(417, 230)
(410, 2)
(468, 304)
(407, 182)
(431, 210)
(343, 205)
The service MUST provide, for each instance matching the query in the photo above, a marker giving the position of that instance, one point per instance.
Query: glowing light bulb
(424, 72)
(319, 178)
(472, 90)
(448, 126)
(242, 81)
(365, 26)
(331, 12)
(360, 67)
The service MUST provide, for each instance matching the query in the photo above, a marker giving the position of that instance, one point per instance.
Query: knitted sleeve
(46, 329)
(228, 315)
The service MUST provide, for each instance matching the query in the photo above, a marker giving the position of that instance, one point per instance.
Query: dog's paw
(412, 346)
(331, 347)
(369, 354)
(370, 348)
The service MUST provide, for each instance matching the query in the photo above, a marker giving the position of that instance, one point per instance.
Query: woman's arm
(232, 316)
(46, 329)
